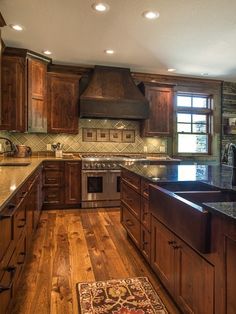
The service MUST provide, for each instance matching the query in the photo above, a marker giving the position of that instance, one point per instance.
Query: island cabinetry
(63, 103)
(160, 99)
(135, 210)
(61, 184)
(16, 228)
(186, 274)
(24, 106)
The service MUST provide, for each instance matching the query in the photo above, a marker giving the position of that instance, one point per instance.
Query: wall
(74, 143)
(228, 111)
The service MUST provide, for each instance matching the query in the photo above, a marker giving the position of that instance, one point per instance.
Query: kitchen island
(182, 219)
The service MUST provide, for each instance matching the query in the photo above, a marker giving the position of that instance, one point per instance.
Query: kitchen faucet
(232, 147)
(12, 146)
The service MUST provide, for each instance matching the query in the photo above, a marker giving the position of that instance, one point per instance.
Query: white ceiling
(193, 36)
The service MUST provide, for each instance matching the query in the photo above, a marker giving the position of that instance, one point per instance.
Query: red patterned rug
(119, 296)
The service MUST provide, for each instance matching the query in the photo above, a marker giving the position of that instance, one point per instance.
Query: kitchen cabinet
(185, 273)
(16, 230)
(61, 184)
(2, 23)
(160, 99)
(135, 215)
(63, 103)
(24, 106)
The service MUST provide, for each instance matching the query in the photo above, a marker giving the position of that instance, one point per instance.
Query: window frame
(207, 111)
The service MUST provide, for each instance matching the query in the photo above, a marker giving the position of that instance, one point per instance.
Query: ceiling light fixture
(151, 15)
(204, 74)
(17, 27)
(109, 51)
(100, 7)
(47, 52)
(171, 70)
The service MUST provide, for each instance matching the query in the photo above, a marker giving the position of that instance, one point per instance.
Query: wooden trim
(20, 52)
(71, 69)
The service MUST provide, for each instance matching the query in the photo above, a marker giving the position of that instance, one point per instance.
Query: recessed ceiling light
(109, 51)
(204, 74)
(151, 15)
(100, 6)
(171, 70)
(47, 52)
(17, 27)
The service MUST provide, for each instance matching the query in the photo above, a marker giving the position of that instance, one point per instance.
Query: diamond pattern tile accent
(74, 143)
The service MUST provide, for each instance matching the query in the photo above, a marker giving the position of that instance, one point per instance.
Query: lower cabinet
(17, 222)
(131, 224)
(185, 273)
(61, 184)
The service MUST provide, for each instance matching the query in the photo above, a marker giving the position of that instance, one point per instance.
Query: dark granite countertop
(216, 175)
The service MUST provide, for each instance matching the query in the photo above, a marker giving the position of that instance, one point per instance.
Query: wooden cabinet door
(13, 94)
(73, 182)
(162, 256)
(37, 106)
(230, 259)
(194, 281)
(161, 116)
(63, 103)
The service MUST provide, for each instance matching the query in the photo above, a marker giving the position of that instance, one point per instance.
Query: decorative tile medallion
(116, 135)
(119, 296)
(128, 136)
(89, 135)
(103, 135)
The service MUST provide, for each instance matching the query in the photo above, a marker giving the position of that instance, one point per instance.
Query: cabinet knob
(176, 247)
(3, 288)
(10, 268)
(171, 242)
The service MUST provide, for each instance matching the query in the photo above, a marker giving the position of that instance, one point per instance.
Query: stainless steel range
(101, 180)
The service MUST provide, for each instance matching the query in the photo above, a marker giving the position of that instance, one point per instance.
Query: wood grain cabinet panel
(37, 100)
(13, 94)
(230, 259)
(73, 182)
(63, 103)
(145, 243)
(131, 199)
(161, 110)
(131, 224)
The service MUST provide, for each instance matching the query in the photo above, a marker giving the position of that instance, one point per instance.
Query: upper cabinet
(24, 77)
(160, 99)
(63, 103)
(37, 95)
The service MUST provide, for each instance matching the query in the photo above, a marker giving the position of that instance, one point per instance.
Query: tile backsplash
(75, 143)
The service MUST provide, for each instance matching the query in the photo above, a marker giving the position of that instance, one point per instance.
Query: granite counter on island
(188, 239)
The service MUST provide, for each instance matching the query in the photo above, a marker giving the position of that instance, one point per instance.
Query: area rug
(119, 296)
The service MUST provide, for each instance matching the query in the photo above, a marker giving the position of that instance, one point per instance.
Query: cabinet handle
(51, 179)
(22, 253)
(3, 288)
(171, 242)
(52, 195)
(21, 226)
(10, 269)
(176, 247)
(145, 242)
(129, 223)
(11, 206)
(23, 194)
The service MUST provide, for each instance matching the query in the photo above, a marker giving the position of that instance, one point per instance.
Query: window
(194, 114)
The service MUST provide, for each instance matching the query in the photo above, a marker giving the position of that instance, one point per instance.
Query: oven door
(94, 185)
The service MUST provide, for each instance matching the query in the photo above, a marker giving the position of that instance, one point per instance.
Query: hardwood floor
(77, 245)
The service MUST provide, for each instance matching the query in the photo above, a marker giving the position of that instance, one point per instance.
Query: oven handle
(115, 171)
(94, 171)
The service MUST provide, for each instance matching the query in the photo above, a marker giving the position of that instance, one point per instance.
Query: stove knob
(103, 165)
(108, 166)
(98, 165)
(86, 166)
(114, 165)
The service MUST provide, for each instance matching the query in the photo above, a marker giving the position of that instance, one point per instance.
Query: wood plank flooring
(78, 245)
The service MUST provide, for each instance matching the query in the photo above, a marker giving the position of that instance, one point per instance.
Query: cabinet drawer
(53, 196)
(145, 217)
(19, 221)
(132, 179)
(131, 224)
(145, 243)
(53, 178)
(131, 199)
(6, 229)
(145, 188)
(20, 261)
(56, 165)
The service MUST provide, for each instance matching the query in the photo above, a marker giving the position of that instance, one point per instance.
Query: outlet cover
(0, 147)
(49, 147)
(145, 149)
(162, 149)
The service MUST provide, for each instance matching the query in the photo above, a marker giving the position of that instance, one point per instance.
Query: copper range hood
(112, 93)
